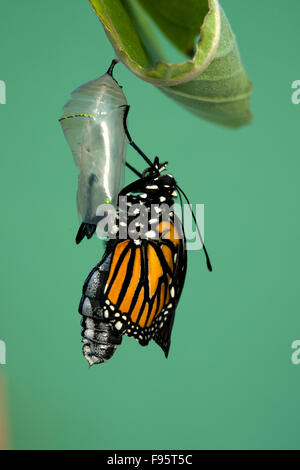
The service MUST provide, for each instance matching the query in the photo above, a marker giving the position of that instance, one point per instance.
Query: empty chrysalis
(93, 126)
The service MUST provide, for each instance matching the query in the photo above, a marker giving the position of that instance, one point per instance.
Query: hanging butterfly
(136, 287)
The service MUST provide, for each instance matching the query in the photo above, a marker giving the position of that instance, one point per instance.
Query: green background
(229, 382)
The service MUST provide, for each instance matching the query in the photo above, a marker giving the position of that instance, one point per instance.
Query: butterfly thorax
(145, 204)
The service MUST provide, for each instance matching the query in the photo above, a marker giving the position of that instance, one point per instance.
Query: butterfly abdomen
(100, 342)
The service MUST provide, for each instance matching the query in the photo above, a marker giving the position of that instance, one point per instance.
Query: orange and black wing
(144, 284)
(163, 336)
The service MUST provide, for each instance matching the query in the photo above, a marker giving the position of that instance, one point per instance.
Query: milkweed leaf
(211, 82)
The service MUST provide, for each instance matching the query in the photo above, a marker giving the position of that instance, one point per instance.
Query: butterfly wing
(144, 284)
(163, 336)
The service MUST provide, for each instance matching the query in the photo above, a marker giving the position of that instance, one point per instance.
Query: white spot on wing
(150, 234)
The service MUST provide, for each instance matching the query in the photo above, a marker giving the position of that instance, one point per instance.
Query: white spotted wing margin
(163, 336)
(150, 314)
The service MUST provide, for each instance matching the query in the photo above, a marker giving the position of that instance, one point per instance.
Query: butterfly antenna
(208, 263)
(131, 142)
(181, 207)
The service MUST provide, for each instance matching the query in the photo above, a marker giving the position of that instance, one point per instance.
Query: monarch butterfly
(93, 126)
(136, 287)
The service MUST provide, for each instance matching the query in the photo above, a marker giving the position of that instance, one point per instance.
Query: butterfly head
(158, 185)
(155, 169)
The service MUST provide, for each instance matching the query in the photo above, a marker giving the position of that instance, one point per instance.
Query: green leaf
(211, 82)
